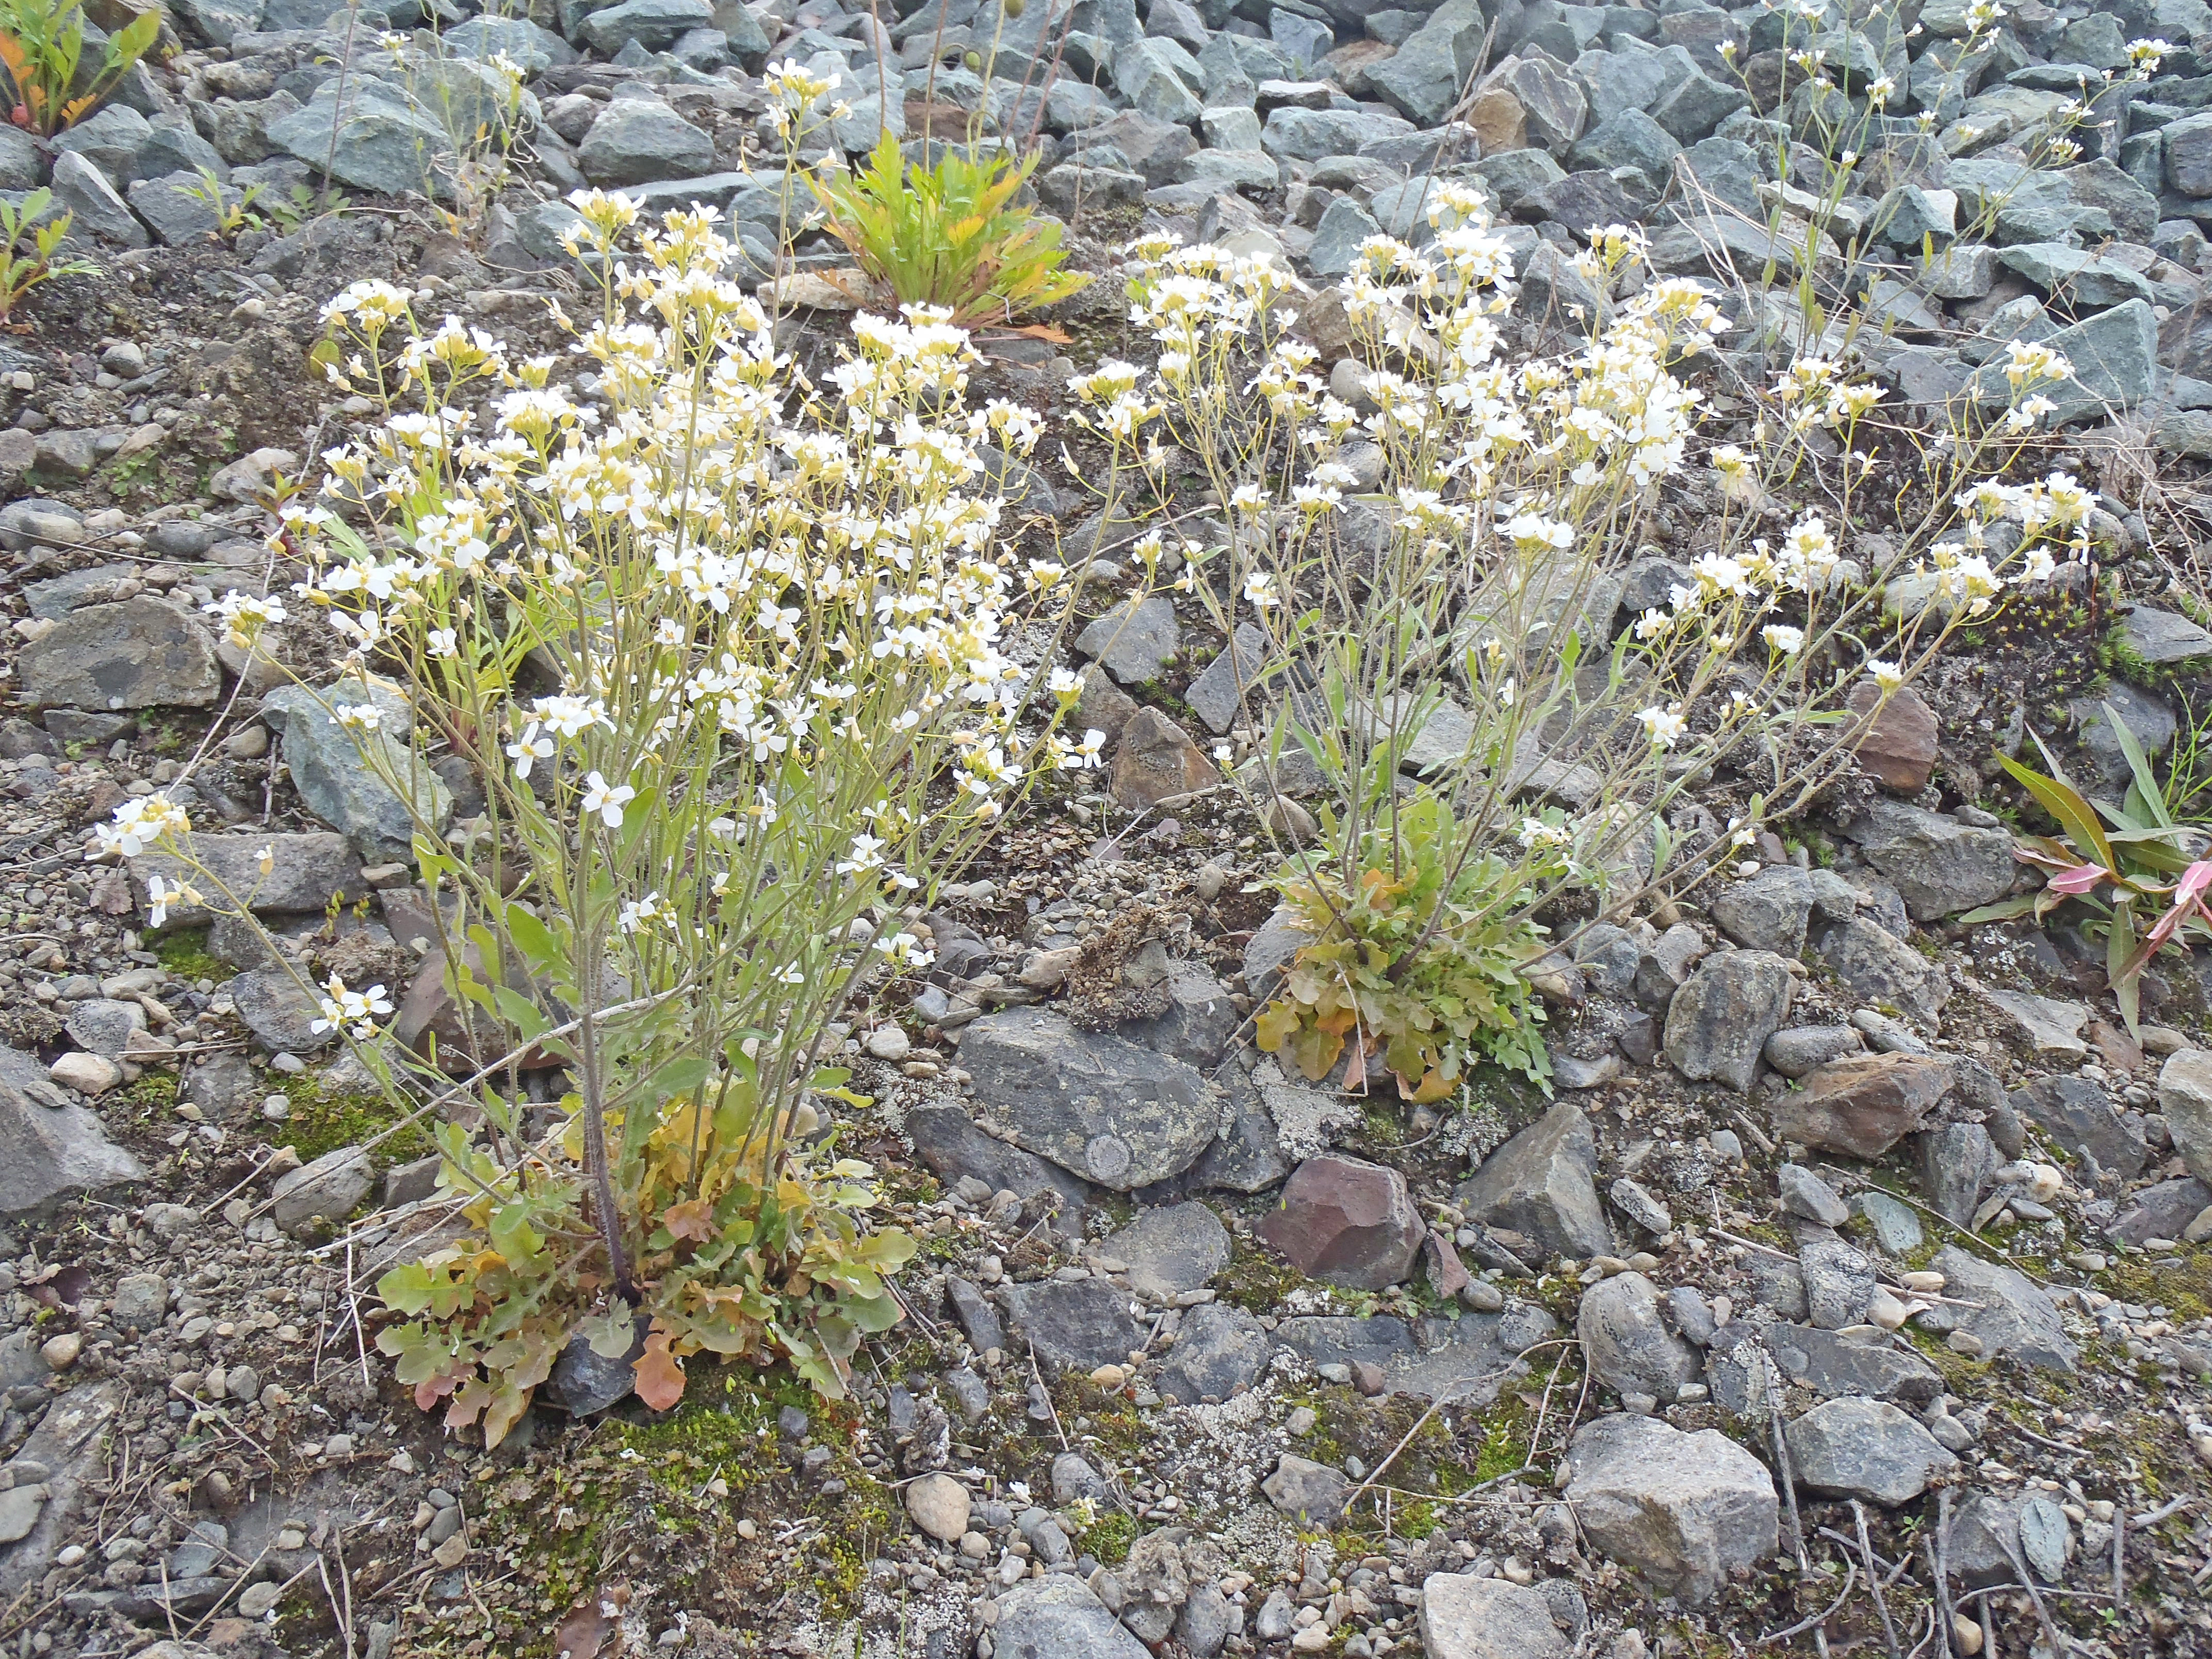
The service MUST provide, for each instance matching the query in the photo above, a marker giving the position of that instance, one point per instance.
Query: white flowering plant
(1436, 570)
(747, 666)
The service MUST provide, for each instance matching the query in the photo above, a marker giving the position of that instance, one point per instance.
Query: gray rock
(1939, 865)
(1683, 1511)
(308, 871)
(1956, 1162)
(1542, 1184)
(2114, 356)
(2052, 1028)
(1219, 1350)
(279, 1010)
(1425, 76)
(1897, 1231)
(102, 1025)
(382, 141)
(1133, 640)
(1802, 1048)
(22, 163)
(1839, 1280)
(51, 1148)
(1861, 1361)
(172, 148)
(1337, 238)
(655, 25)
(1720, 1019)
(1854, 1448)
(1120, 1115)
(1198, 1021)
(2089, 281)
(1310, 1492)
(1464, 1617)
(327, 1191)
(67, 1448)
(2148, 718)
(2075, 1113)
(141, 652)
(1168, 1251)
(1247, 1156)
(1637, 1202)
(1308, 135)
(1216, 693)
(639, 139)
(332, 769)
(1627, 1342)
(524, 41)
(2185, 1095)
(1769, 911)
(1804, 1194)
(2015, 1321)
(1058, 1617)
(1875, 964)
(2046, 1538)
(1077, 1327)
(2162, 638)
(1695, 104)
(1628, 139)
(178, 208)
(83, 191)
(947, 1140)
(140, 1300)
(109, 139)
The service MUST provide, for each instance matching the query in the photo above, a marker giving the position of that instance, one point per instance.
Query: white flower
(1786, 639)
(353, 1009)
(606, 800)
(1260, 589)
(358, 716)
(140, 824)
(160, 896)
(443, 642)
(1664, 727)
(638, 912)
(1887, 675)
(529, 748)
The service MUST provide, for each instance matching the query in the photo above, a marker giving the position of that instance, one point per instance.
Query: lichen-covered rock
(1683, 1510)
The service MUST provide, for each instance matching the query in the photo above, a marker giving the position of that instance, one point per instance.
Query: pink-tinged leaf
(2193, 885)
(2081, 879)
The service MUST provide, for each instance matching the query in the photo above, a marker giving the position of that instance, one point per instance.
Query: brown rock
(1156, 761)
(1104, 707)
(1499, 120)
(1862, 1104)
(1447, 1276)
(1896, 743)
(1346, 1221)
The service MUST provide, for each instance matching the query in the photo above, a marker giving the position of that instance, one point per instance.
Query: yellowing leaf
(659, 1373)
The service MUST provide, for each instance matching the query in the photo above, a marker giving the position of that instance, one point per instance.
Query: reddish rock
(1156, 761)
(1863, 1104)
(1346, 1221)
(1897, 744)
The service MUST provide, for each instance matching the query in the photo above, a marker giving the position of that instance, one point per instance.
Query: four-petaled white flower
(355, 1012)
(606, 800)
(1664, 727)
(160, 896)
(1887, 675)
(1781, 637)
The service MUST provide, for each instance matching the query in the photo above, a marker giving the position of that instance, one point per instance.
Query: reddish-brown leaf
(694, 1219)
(586, 1629)
(659, 1373)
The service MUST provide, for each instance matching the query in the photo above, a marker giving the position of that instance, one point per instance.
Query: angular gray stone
(1696, 104)
(22, 163)
(1682, 1510)
(1804, 1194)
(1464, 1617)
(2185, 1095)
(653, 24)
(1115, 1113)
(308, 870)
(2148, 718)
(1863, 1361)
(1878, 967)
(2015, 1321)
(946, 1139)
(1956, 1162)
(109, 139)
(1308, 135)
(2052, 1028)
(327, 1191)
(383, 141)
(341, 773)
(102, 1025)
(1197, 1023)
(2114, 356)
(1218, 1349)
(1897, 1229)
(1542, 1184)
(1941, 866)
(177, 207)
(51, 1148)
(1627, 1342)
(1215, 695)
(2165, 637)
(96, 209)
(1720, 1019)
(1170, 1250)
(639, 139)
(1854, 1448)
(141, 652)
(279, 1010)
(1769, 911)
(1337, 238)
(2075, 1113)
(1839, 1280)
(2088, 282)
(1628, 139)
(1076, 1326)
(1133, 640)
(171, 147)
(1058, 1617)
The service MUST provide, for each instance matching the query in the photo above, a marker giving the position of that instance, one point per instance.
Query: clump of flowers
(798, 664)
(1440, 562)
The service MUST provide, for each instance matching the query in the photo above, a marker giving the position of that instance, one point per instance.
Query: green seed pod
(1011, 8)
(974, 60)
